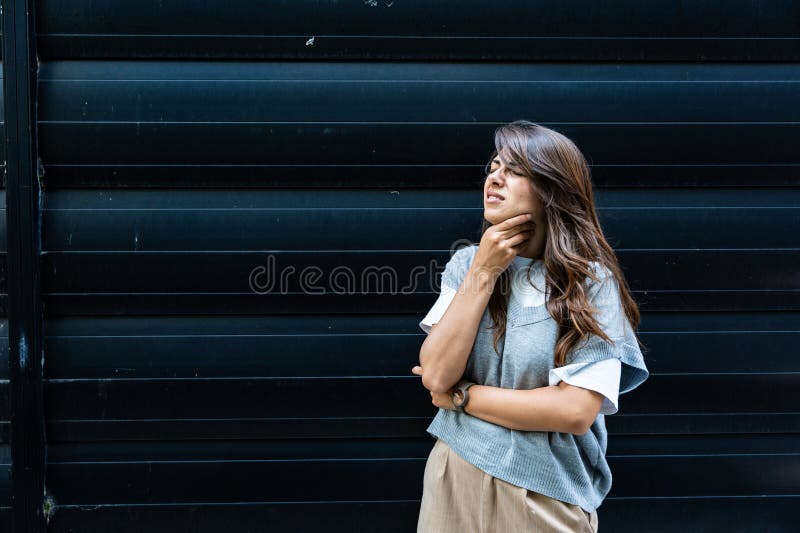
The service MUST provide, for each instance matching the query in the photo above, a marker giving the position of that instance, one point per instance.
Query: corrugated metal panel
(5, 422)
(177, 399)
(631, 30)
(306, 125)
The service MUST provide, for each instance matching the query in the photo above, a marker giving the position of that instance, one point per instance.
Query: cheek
(535, 199)
(528, 195)
(536, 206)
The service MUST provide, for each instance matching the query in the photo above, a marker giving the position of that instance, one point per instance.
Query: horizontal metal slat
(343, 480)
(402, 396)
(656, 515)
(627, 30)
(388, 427)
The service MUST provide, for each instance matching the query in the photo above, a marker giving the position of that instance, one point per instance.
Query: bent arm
(446, 349)
(563, 408)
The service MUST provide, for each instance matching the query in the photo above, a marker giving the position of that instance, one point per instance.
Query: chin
(495, 215)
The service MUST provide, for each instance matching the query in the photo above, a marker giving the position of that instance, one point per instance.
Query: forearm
(446, 349)
(541, 409)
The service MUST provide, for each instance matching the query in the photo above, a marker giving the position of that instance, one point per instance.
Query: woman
(529, 344)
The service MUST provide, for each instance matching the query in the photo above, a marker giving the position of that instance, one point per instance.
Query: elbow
(431, 380)
(580, 428)
(581, 409)
(435, 385)
(581, 422)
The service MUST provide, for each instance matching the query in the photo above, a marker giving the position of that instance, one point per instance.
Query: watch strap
(462, 386)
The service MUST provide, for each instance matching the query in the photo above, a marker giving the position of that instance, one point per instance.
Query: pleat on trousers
(459, 497)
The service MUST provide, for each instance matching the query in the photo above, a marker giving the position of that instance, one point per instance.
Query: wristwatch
(460, 395)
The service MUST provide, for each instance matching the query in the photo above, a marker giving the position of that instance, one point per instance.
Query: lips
(492, 194)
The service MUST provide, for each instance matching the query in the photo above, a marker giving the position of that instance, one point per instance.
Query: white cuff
(600, 376)
(438, 309)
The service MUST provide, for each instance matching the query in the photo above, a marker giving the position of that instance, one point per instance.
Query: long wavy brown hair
(561, 176)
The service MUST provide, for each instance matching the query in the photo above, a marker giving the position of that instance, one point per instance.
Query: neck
(532, 254)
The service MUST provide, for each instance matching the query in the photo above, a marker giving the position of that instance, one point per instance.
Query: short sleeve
(457, 266)
(454, 272)
(604, 296)
(438, 309)
(601, 376)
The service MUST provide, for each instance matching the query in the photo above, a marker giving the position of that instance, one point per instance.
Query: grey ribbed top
(568, 467)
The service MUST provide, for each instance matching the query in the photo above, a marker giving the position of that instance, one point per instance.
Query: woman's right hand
(501, 243)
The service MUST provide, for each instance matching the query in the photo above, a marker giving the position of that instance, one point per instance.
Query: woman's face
(517, 197)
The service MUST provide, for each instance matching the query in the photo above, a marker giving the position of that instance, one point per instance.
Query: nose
(495, 178)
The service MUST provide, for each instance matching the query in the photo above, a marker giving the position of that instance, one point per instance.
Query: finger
(519, 238)
(527, 226)
(519, 228)
(513, 221)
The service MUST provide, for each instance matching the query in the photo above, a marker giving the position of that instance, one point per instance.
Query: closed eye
(512, 172)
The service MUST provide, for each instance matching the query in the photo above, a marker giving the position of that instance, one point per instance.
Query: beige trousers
(457, 496)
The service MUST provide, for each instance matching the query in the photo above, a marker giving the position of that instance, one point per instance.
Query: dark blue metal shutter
(185, 144)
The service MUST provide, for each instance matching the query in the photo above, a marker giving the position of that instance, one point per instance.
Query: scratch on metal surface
(23, 351)
(49, 505)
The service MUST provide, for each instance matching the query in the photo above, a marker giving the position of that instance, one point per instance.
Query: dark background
(182, 143)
